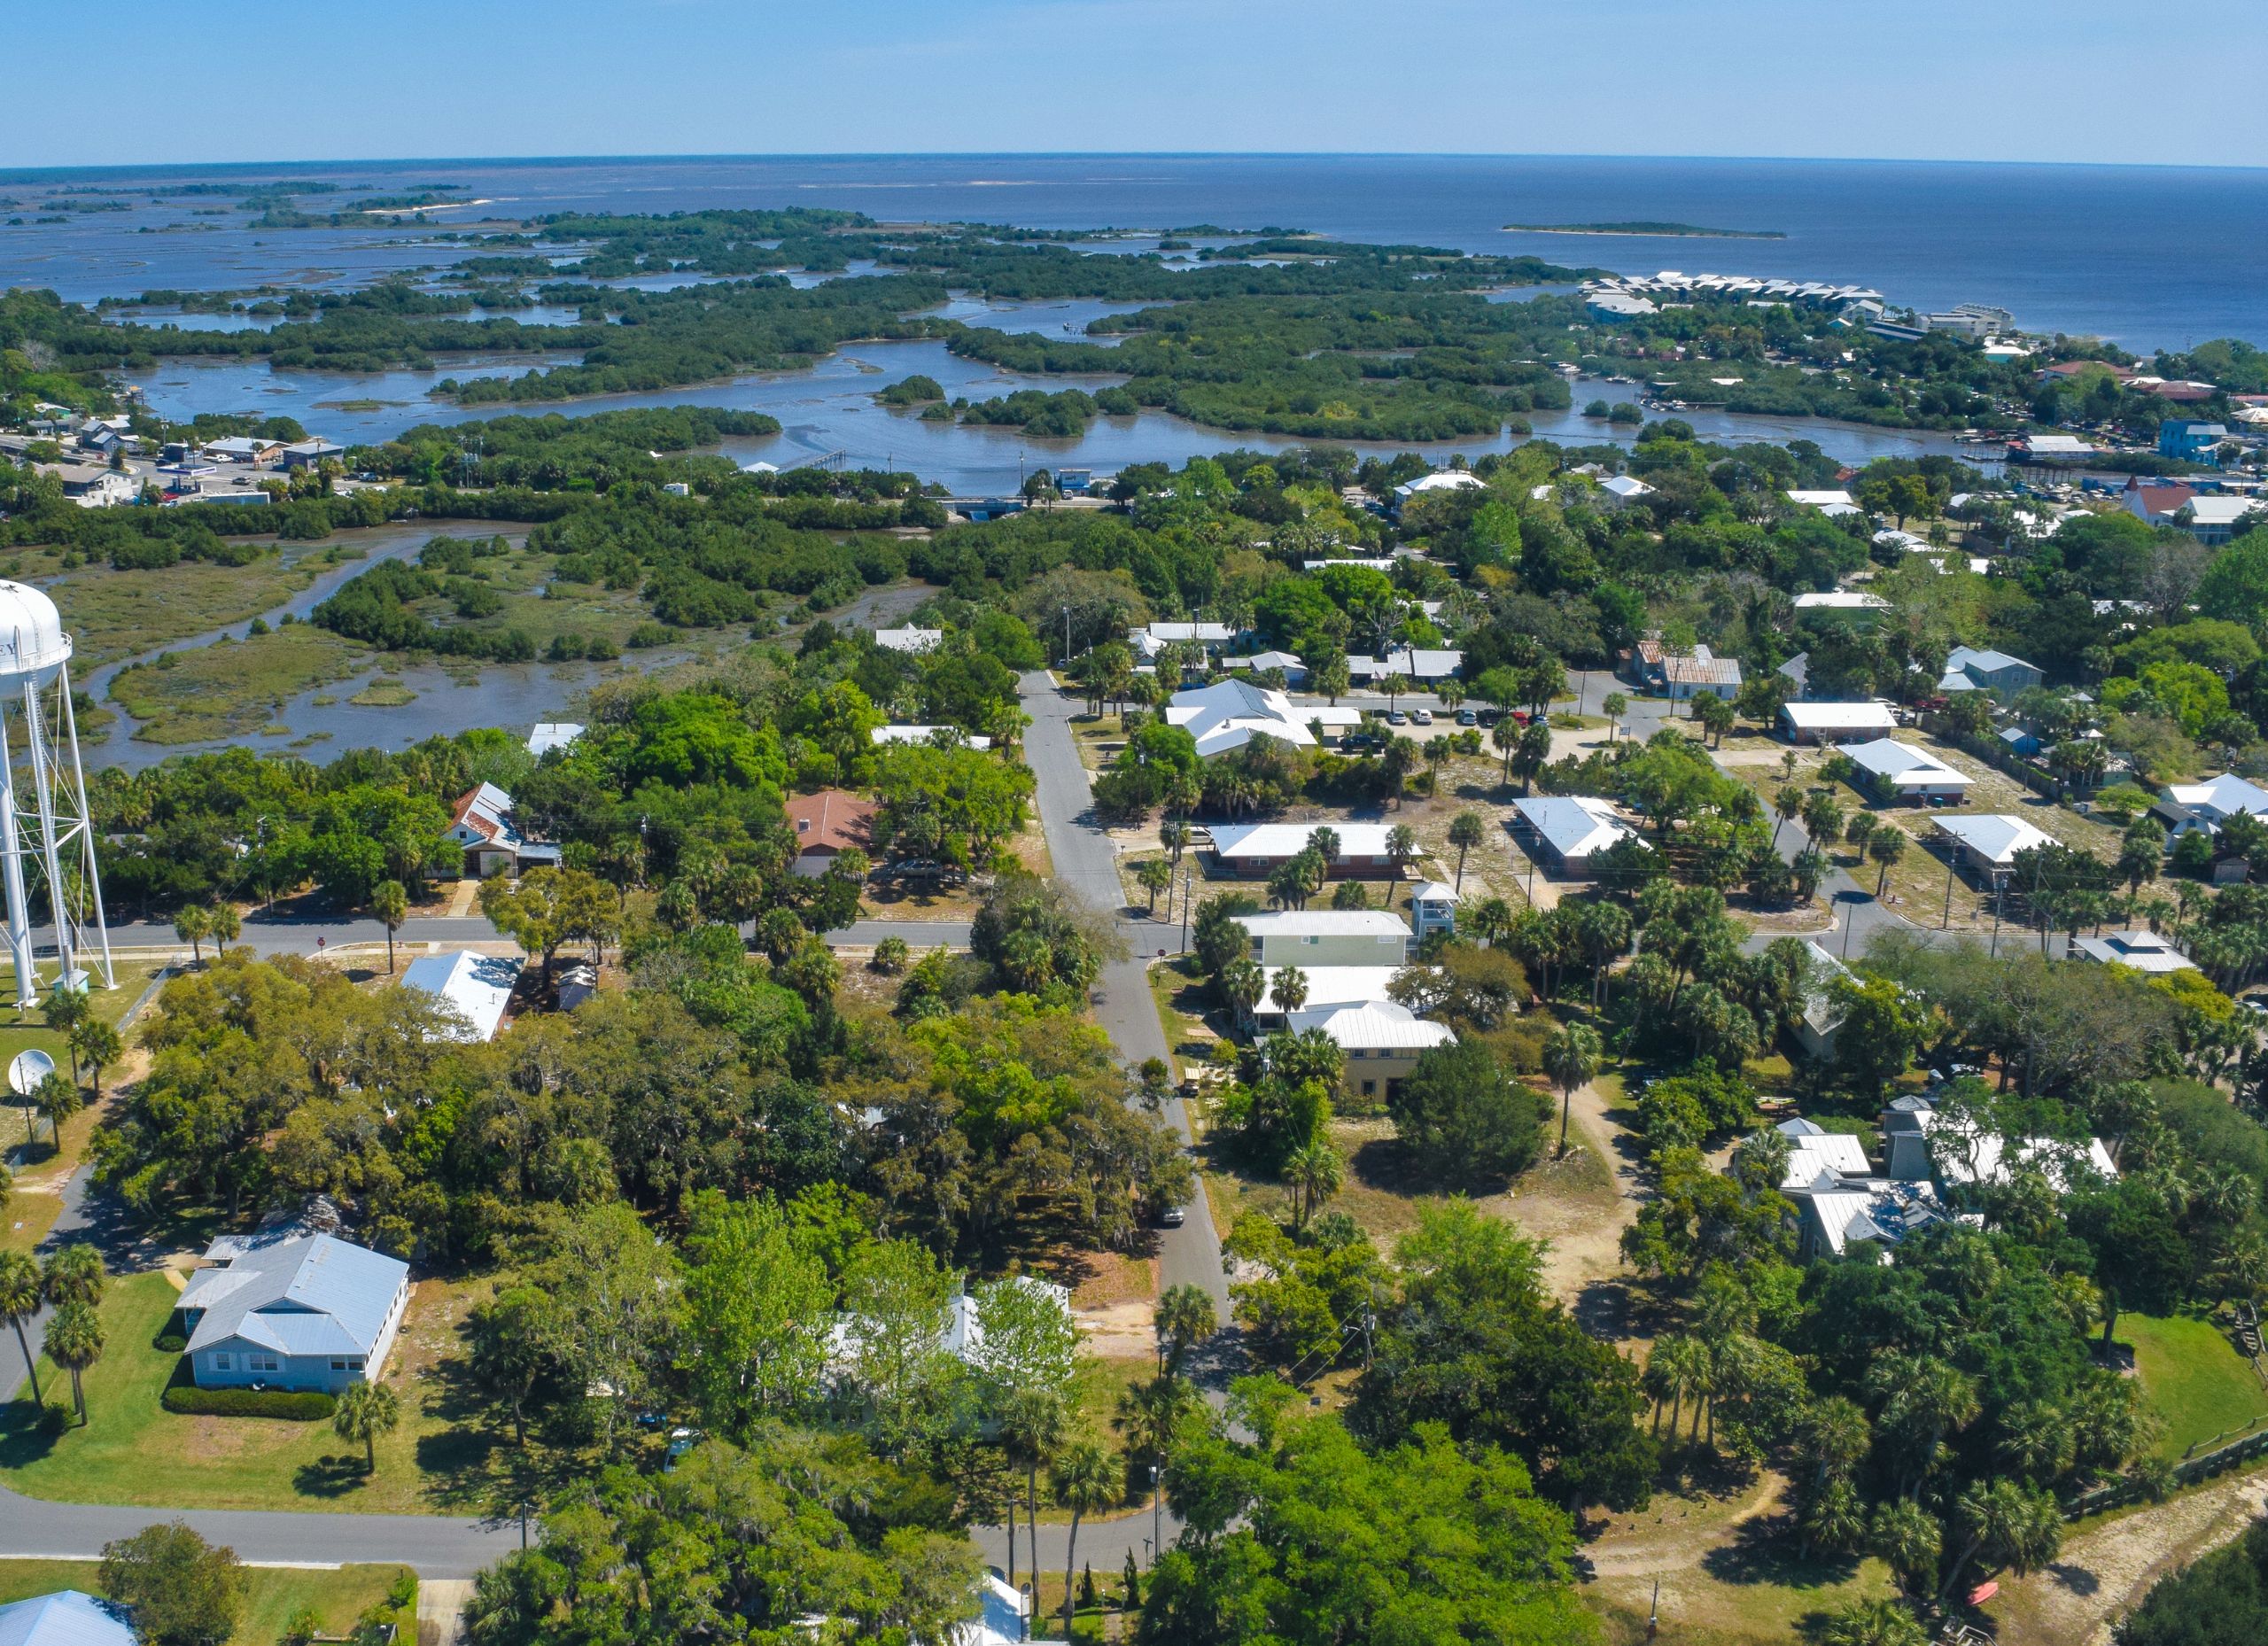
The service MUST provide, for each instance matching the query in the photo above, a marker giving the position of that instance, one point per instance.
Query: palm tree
(1467, 831)
(222, 921)
(1837, 1437)
(1570, 1058)
(1032, 1424)
(1906, 1535)
(1616, 706)
(1242, 984)
(1836, 1520)
(1151, 1415)
(1290, 989)
(1505, 734)
(193, 926)
(1823, 819)
(2014, 1527)
(19, 1300)
(1393, 686)
(1886, 848)
(1155, 875)
(73, 1274)
(1535, 748)
(365, 1411)
(1172, 835)
(1185, 1317)
(1785, 806)
(75, 1342)
(97, 1045)
(1402, 846)
(57, 1099)
(1315, 1173)
(1873, 1623)
(391, 904)
(1324, 842)
(1858, 834)
(1086, 1477)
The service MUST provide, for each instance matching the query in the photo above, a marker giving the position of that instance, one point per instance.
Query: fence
(2189, 1471)
(1999, 757)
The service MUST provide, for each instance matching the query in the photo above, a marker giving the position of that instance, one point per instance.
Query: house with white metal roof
(1305, 938)
(550, 734)
(1900, 771)
(1439, 482)
(1262, 849)
(1813, 1149)
(939, 736)
(1919, 1144)
(305, 1312)
(1230, 713)
(1148, 642)
(1835, 1212)
(1294, 671)
(2188, 807)
(913, 641)
(1567, 831)
(1815, 1026)
(1617, 490)
(1382, 1041)
(481, 823)
(1832, 503)
(1969, 670)
(1840, 600)
(1418, 665)
(473, 989)
(1329, 988)
(1820, 722)
(68, 1617)
(2144, 951)
(1989, 842)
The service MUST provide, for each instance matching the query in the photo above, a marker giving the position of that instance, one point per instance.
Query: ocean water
(2147, 257)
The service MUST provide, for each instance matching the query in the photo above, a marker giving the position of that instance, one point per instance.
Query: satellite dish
(27, 1069)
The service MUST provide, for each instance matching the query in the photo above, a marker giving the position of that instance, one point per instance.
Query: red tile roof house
(481, 822)
(826, 825)
(2155, 505)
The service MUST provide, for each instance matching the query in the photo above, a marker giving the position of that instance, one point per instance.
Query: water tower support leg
(12, 874)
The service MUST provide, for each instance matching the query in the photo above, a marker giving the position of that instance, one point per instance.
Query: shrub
(169, 1342)
(293, 1406)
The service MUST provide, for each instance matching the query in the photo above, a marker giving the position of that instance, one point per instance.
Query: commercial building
(1824, 723)
(1312, 937)
(307, 1311)
(1896, 771)
(473, 989)
(826, 824)
(1564, 832)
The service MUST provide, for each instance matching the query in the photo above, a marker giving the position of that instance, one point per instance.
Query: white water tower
(47, 837)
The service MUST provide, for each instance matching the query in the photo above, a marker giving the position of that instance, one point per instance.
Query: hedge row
(297, 1406)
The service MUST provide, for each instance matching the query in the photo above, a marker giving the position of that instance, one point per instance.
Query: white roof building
(1380, 923)
(912, 641)
(1834, 502)
(1993, 839)
(1418, 665)
(1902, 770)
(1231, 714)
(1840, 600)
(1440, 480)
(2144, 951)
(943, 736)
(1372, 1025)
(1811, 722)
(550, 734)
(474, 988)
(1573, 827)
(1148, 642)
(1624, 488)
(1813, 1149)
(1330, 987)
(1273, 841)
(2215, 801)
(66, 1616)
(1837, 1211)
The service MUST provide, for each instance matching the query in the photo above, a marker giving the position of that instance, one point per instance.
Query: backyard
(271, 1594)
(2200, 1386)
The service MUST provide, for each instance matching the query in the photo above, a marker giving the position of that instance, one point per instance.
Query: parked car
(1397, 719)
(1172, 1217)
(1468, 717)
(1422, 716)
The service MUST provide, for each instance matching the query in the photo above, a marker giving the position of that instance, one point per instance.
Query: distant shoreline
(1645, 231)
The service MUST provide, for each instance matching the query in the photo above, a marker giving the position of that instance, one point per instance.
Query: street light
(1157, 1498)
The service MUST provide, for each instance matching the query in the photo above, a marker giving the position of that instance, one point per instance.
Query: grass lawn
(451, 1452)
(271, 1595)
(2196, 1378)
(1178, 986)
(231, 689)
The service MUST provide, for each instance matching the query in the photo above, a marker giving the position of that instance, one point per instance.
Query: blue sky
(2078, 80)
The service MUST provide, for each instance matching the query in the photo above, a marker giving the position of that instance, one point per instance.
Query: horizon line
(14, 172)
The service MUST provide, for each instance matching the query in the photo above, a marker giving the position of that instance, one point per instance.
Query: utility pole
(1157, 1501)
(1947, 921)
(1184, 911)
(1850, 919)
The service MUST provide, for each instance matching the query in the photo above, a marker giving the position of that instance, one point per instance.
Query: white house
(1567, 831)
(1420, 665)
(1682, 673)
(1261, 849)
(2144, 951)
(1432, 908)
(1382, 1041)
(1441, 481)
(1832, 503)
(550, 734)
(1836, 1211)
(305, 1311)
(475, 988)
(1813, 1149)
(2188, 807)
(1820, 722)
(68, 1616)
(1231, 713)
(960, 1334)
(1918, 1145)
(1147, 643)
(940, 736)
(1900, 771)
(1970, 670)
(1295, 673)
(1312, 937)
(1617, 490)
(1989, 842)
(1840, 600)
(1329, 988)
(913, 641)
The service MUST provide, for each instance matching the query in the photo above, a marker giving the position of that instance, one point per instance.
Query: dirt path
(2104, 1573)
(1583, 1268)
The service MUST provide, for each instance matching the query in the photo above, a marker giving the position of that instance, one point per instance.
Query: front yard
(271, 1594)
(453, 1451)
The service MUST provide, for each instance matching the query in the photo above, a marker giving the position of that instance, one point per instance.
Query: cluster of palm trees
(71, 1281)
(1296, 881)
(218, 921)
